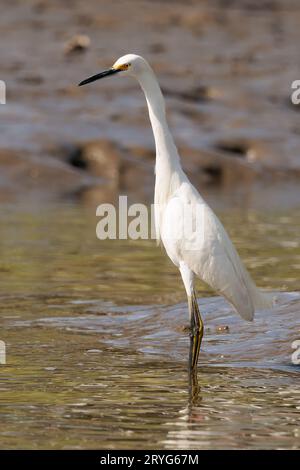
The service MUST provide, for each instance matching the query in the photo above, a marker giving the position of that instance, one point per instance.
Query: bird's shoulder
(187, 193)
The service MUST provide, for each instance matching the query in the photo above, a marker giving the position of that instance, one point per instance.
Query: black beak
(106, 73)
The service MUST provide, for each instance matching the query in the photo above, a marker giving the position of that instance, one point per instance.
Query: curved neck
(166, 152)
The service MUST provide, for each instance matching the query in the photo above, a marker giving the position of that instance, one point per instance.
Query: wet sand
(225, 68)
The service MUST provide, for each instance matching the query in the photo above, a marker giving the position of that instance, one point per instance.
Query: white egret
(212, 257)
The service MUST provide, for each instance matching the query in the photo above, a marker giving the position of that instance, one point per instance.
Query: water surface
(97, 343)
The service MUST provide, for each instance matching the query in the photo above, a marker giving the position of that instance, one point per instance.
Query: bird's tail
(252, 301)
(261, 300)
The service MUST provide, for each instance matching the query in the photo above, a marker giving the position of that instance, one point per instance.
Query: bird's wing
(210, 254)
(219, 264)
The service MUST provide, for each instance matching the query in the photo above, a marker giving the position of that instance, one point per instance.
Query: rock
(98, 157)
(78, 43)
(137, 180)
(222, 329)
(148, 154)
(237, 148)
(25, 176)
(211, 167)
(98, 194)
(125, 171)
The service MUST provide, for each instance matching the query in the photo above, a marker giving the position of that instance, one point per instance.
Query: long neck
(168, 169)
(167, 158)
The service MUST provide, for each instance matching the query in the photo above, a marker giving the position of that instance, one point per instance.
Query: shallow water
(97, 345)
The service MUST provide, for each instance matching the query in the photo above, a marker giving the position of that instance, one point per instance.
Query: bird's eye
(123, 66)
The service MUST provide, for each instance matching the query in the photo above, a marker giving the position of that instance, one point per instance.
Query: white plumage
(212, 256)
(208, 253)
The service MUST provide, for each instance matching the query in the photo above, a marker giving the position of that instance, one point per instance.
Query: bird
(207, 253)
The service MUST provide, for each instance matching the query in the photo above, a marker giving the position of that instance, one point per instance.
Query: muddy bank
(225, 68)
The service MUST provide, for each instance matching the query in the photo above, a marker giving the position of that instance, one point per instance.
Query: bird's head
(129, 64)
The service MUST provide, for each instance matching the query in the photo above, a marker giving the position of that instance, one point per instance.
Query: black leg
(196, 334)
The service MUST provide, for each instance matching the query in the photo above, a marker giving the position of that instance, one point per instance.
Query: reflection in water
(95, 359)
(194, 389)
(248, 412)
